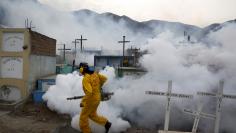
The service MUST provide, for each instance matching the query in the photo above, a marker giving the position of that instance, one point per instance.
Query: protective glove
(81, 105)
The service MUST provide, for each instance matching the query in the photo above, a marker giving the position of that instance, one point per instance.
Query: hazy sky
(196, 12)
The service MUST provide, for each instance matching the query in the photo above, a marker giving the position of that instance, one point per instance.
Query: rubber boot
(107, 126)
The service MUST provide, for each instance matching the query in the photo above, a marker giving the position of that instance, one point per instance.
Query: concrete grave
(25, 56)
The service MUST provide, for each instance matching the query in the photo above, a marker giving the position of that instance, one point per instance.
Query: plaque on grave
(12, 42)
(9, 93)
(11, 67)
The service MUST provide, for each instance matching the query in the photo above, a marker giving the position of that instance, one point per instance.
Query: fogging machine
(104, 96)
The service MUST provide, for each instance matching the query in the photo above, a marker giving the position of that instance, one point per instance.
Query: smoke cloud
(56, 100)
(191, 67)
(195, 67)
(66, 26)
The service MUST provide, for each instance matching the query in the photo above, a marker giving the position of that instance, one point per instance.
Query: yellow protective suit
(91, 85)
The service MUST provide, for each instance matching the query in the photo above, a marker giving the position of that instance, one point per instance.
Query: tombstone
(168, 95)
(25, 55)
(219, 96)
(198, 114)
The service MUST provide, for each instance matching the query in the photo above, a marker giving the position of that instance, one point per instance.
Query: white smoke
(71, 85)
(192, 68)
(66, 26)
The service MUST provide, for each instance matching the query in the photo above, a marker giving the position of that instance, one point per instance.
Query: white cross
(197, 115)
(168, 94)
(219, 97)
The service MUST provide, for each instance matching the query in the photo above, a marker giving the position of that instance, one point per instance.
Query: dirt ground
(37, 118)
(31, 118)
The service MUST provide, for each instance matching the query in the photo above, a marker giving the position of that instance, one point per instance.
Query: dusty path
(37, 118)
(31, 118)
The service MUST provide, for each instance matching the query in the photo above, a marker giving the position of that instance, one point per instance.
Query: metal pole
(75, 49)
(64, 53)
(123, 50)
(81, 43)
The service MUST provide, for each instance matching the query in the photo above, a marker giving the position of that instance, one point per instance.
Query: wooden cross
(168, 95)
(123, 48)
(64, 52)
(75, 42)
(81, 42)
(198, 114)
(219, 97)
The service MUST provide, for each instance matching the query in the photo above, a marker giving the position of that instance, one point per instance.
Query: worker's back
(92, 83)
(96, 80)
